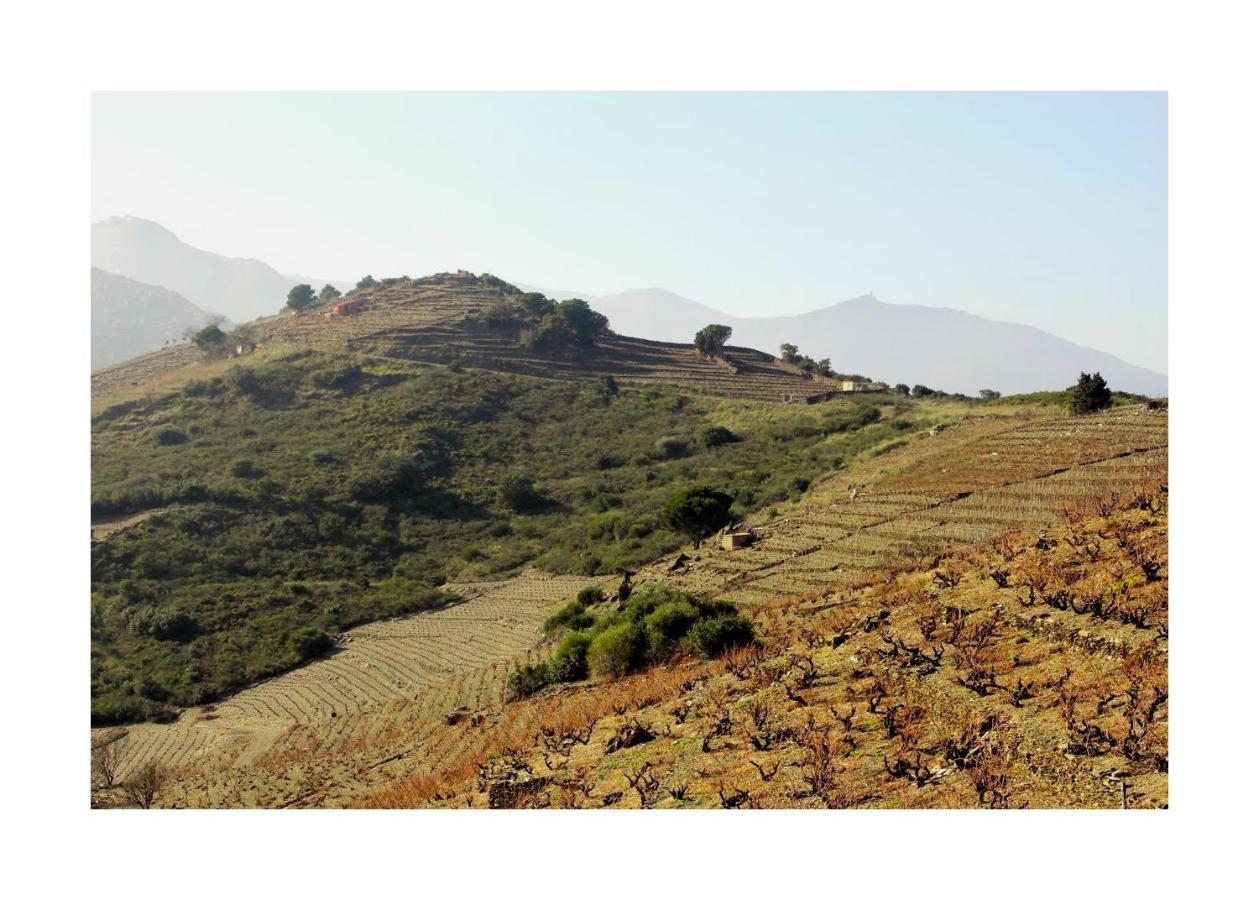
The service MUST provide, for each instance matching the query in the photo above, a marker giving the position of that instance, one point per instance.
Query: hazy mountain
(130, 317)
(942, 348)
(242, 289)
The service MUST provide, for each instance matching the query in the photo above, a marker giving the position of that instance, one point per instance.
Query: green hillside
(304, 491)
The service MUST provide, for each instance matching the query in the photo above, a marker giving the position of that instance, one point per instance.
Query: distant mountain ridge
(241, 289)
(945, 349)
(130, 317)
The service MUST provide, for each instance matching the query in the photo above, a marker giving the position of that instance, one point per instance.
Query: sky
(1039, 208)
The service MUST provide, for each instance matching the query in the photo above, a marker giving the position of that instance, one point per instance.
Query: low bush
(168, 436)
(672, 447)
(570, 660)
(573, 615)
(519, 495)
(712, 637)
(528, 679)
(309, 642)
(617, 650)
(717, 436)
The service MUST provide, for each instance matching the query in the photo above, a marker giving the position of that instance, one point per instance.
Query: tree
(987, 394)
(824, 367)
(696, 512)
(902, 389)
(210, 339)
(712, 338)
(301, 296)
(789, 353)
(584, 321)
(365, 282)
(328, 293)
(142, 787)
(921, 390)
(107, 757)
(538, 305)
(571, 325)
(1089, 394)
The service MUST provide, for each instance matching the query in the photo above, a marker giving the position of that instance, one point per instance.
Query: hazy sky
(1045, 209)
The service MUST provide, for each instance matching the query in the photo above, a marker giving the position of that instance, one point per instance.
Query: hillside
(347, 468)
(414, 711)
(945, 349)
(1030, 671)
(446, 318)
(130, 318)
(241, 289)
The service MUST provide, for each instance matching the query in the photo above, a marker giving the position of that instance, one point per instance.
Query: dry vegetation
(1030, 671)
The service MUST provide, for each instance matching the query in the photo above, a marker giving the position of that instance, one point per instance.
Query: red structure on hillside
(347, 306)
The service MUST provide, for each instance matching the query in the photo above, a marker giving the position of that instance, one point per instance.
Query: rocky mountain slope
(130, 317)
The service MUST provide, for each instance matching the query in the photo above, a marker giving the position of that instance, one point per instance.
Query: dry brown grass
(936, 687)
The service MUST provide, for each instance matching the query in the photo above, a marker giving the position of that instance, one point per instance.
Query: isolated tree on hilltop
(789, 353)
(712, 338)
(365, 282)
(696, 512)
(570, 326)
(1090, 394)
(328, 294)
(301, 296)
(210, 340)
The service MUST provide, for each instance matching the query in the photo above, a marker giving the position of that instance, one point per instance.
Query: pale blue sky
(1046, 209)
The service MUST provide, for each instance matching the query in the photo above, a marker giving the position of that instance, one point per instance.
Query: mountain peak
(138, 224)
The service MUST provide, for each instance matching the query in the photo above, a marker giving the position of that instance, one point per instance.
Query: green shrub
(309, 642)
(572, 615)
(590, 595)
(617, 650)
(712, 637)
(341, 378)
(717, 435)
(570, 662)
(528, 679)
(168, 436)
(667, 625)
(672, 447)
(245, 468)
(612, 525)
(519, 495)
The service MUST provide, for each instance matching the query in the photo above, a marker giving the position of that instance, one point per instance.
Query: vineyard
(452, 657)
(419, 703)
(1027, 671)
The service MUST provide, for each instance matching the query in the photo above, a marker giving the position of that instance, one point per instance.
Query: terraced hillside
(406, 725)
(438, 319)
(1026, 672)
(456, 656)
(955, 487)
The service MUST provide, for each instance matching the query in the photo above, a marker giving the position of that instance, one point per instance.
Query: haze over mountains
(241, 289)
(945, 349)
(130, 317)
